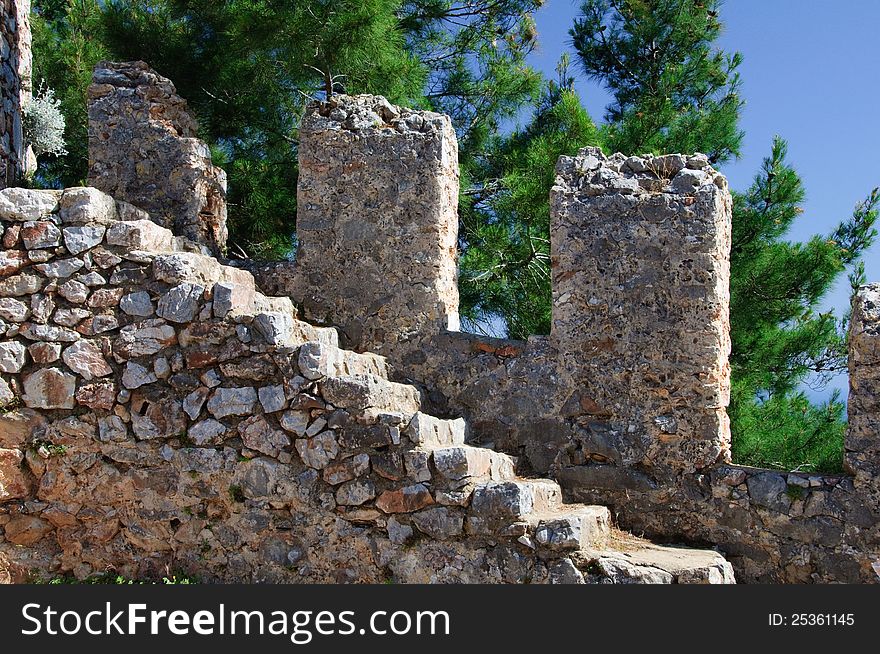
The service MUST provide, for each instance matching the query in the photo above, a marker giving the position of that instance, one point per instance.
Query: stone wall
(641, 278)
(15, 75)
(160, 415)
(862, 458)
(143, 149)
(624, 402)
(377, 222)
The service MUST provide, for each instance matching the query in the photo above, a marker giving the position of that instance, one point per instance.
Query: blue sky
(810, 74)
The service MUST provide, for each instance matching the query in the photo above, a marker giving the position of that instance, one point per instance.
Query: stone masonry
(15, 80)
(143, 149)
(641, 279)
(624, 403)
(160, 413)
(862, 458)
(371, 173)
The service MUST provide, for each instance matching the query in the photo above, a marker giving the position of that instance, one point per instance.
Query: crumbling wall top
(372, 114)
(591, 173)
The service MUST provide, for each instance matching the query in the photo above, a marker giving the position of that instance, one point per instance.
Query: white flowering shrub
(43, 123)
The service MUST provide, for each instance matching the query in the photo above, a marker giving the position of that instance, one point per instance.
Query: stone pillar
(377, 222)
(641, 269)
(16, 159)
(862, 442)
(143, 149)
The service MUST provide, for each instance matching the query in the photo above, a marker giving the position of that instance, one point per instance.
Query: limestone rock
(232, 402)
(181, 303)
(86, 205)
(40, 234)
(13, 482)
(12, 356)
(86, 359)
(79, 239)
(49, 388)
(137, 304)
(318, 451)
(258, 435)
(20, 204)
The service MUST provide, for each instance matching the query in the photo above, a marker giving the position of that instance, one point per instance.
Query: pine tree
(779, 339)
(672, 90)
(505, 215)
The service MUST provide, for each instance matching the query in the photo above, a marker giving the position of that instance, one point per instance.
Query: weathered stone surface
(21, 204)
(13, 482)
(74, 291)
(186, 267)
(405, 500)
(12, 261)
(86, 359)
(181, 303)
(296, 422)
(137, 304)
(49, 388)
(13, 310)
(232, 297)
(158, 415)
(145, 338)
(272, 398)
(356, 492)
(347, 469)
(769, 490)
(105, 298)
(260, 436)
(140, 235)
(43, 353)
(22, 284)
(136, 375)
(132, 110)
(85, 205)
(318, 451)
(207, 432)
(622, 344)
(232, 402)
(439, 522)
(7, 396)
(111, 428)
(26, 530)
(193, 403)
(97, 395)
(412, 174)
(60, 269)
(620, 571)
(40, 234)
(12, 356)
(79, 239)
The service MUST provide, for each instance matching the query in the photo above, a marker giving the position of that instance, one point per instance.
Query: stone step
(281, 329)
(460, 464)
(570, 527)
(498, 502)
(631, 560)
(317, 360)
(195, 268)
(361, 392)
(428, 431)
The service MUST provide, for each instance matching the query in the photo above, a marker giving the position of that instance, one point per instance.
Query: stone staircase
(501, 505)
